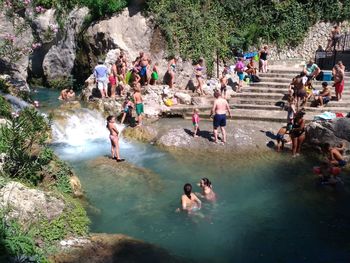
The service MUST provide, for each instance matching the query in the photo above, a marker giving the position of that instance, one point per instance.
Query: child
(138, 102)
(195, 122)
(114, 137)
(113, 82)
(280, 138)
(127, 108)
(291, 110)
(155, 74)
(223, 84)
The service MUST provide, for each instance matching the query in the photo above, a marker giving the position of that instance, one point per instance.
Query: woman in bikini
(207, 189)
(113, 136)
(198, 71)
(298, 133)
(189, 201)
(171, 71)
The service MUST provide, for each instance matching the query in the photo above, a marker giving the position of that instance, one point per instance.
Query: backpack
(255, 78)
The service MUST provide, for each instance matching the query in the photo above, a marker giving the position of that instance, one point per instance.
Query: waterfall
(16, 103)
(80, 126)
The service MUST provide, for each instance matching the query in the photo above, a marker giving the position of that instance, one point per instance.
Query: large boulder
(183, 98)
(27, 205)
(59, 61)
(110, 248)
(334, 132)
(142, 133)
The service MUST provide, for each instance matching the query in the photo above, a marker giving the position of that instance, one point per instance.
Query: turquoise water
(269, 207)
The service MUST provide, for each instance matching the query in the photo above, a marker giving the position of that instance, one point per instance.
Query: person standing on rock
(239, 68)
(114, 137)
(171, 71)
(338, 76)
(138, 103)
(101, 77)
(298, 133)
(144, 64)
(263, 59)
(219, 110)
(198, 71)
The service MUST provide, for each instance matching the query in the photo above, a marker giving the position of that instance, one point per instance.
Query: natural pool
(269, 207)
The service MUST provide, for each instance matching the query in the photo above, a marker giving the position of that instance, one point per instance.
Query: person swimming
(189, 200)
(207, 189)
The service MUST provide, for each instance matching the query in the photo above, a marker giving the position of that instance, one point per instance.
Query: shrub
(5, 108)
(19, 140)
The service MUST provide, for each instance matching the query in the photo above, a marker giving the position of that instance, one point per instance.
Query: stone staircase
(264, 101)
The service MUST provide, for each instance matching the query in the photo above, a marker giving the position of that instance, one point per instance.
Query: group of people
(190, 201)
(139, 72)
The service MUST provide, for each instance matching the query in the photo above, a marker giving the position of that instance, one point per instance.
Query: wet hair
(109, 118)
(200, 61)
(216, 94)
(206, 182)
(324, 84)
(188, 190)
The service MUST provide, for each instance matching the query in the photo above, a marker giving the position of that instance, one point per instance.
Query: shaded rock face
(331, 132)
(59, 61)
(29, 205)
(18, 69)
(103, 248)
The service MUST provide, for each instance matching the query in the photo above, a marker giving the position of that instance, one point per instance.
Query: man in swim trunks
(219, 110)
(223, 84)
(138, 103)
(101, 77)
(324, 96)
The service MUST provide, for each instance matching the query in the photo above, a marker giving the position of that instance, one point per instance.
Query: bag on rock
(255, 78)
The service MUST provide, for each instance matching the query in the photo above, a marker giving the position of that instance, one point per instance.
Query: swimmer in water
(207, 189)
(189, 200)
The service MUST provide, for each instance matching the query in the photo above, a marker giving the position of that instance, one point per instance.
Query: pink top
(239, 66)
(195, 118)
(112, 80)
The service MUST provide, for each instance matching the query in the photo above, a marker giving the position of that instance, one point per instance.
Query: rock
(107, 106)
(43, 24)
(110, 248)
(175, 138)
(142, 133)
(184, 98)
(200, 101)
(17, 69)
(332, 133)
(28, 205)
(76, 186)
(59, 61)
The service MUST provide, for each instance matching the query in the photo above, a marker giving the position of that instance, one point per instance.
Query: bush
(19, 140)
(5, 108)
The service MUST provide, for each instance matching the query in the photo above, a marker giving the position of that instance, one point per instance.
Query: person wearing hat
(101, 77)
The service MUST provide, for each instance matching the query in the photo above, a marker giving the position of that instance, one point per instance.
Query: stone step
(289, 75)
(317, 85)
(277, 89)
(288, 80)
(331, 104)
(258, 115)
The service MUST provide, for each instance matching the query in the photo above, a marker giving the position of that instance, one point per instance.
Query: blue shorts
(341, 163)
(326, 100)
(240, 75)
(279, 137)
(219, 120)
(143, 71)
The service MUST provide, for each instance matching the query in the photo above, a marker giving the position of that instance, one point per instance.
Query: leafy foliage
(5, 108)
(19, 139)
(193, 30)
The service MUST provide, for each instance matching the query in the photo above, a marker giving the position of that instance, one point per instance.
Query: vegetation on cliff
(27, 159)
(197, 28)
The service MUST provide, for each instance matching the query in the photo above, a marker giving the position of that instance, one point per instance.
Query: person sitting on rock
(325, 95)
(311, 69)
(335, 154)
(251, 69)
